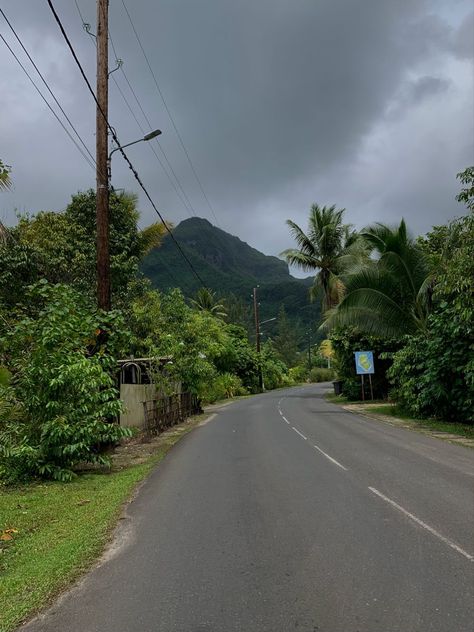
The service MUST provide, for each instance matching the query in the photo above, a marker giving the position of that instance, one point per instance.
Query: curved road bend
(285, 513)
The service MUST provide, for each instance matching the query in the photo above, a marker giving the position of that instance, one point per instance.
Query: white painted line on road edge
(447, 541)
(300, 433)
(330, 458)
(285, 419)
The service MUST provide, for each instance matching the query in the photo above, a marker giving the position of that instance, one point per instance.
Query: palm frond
(304, 242)
(306, 262)
(152, 236)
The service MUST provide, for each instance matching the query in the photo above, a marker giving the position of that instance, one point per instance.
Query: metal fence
(165, 412)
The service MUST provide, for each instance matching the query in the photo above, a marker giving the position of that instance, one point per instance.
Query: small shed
(137, 385)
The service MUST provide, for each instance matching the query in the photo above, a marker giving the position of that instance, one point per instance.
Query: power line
(86, 158)
(160, 258)
(46, 84)
(184, 199)
(188, 157)
(188, 205)
(114, 136)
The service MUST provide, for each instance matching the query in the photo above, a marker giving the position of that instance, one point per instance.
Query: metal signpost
(365, 366)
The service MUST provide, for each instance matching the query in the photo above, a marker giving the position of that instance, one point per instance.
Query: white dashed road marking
(300, 433)
(330, 458)
(441, 537)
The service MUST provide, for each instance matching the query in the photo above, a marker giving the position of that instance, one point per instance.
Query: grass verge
(384, 411)
(51, 532)
(391, 410)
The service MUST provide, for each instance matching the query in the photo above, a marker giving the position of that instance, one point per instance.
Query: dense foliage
(60, 247)
(345, 343)
(231, 268)
(433, 374)
(412, 303)
(58, 407)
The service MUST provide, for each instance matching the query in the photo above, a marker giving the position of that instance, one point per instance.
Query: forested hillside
(232, 268)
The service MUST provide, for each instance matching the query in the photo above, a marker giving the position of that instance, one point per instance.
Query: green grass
(392, 410)
(342, 399)
(463, 430)
(62, 529)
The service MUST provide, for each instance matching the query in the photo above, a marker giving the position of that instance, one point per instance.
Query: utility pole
(257, 338)
(309, 350)
(102, 141)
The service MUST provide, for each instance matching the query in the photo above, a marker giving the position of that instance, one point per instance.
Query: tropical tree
(327, 351)
(326, 248)
(5, 180)
(389, 295)
(205, 301)
(61, 247)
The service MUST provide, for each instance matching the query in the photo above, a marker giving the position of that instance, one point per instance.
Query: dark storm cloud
(281, 103)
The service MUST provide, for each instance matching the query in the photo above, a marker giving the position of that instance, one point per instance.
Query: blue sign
(364, 362)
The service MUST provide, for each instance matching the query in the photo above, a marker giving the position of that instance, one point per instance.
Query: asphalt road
(285, 513)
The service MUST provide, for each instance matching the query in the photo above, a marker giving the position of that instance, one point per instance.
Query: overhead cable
(114, 136)
(180, 138)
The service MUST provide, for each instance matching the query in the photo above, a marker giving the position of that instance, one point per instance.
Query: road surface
(285, 513)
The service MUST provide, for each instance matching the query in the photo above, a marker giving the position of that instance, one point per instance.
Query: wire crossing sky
(364, 104)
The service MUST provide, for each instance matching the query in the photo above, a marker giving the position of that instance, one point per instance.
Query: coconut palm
(5, 181)
(151, 237)
(205, 301)
(327, 247)
(389, 294)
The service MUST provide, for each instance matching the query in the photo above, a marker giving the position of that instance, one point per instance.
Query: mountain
(229, 266)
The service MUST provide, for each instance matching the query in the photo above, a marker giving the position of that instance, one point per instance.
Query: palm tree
(326, 247)
(5, 181)
(389, 295)
(205, 301)
(151, 237)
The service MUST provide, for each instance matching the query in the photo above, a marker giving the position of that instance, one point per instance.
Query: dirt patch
(140, 448)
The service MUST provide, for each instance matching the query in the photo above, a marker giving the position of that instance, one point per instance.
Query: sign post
(364, 361)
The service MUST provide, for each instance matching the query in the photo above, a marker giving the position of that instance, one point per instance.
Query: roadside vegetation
(410, 301)
(58, 352)
(51, 532)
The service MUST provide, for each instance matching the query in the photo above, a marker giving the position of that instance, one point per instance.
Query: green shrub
(433, 374)
(319, 374)
(58, 409)
(298, 374)
(348, 340)
(225, 386)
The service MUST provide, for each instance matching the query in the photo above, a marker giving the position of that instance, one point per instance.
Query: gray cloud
(280, 104)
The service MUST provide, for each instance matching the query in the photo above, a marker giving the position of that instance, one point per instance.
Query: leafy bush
(320, 374)
(433, 375)
(58, 410)
(224, 387)
(348, 340)
(298, 374)
(275, 372)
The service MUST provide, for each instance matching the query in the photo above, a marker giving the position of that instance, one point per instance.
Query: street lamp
(147, 137)
(267, 321)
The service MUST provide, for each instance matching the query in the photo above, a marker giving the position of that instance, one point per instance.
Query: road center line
(300, 433)
(330, 458)
(285, 419)
(444, 539)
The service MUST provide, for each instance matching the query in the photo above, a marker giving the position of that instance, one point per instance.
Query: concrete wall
(133, 396)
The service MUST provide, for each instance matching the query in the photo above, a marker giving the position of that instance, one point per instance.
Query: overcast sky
(366, 104)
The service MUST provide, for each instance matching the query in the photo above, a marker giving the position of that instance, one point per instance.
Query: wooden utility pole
(257, 338)
(102, 194)
(309, 350)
